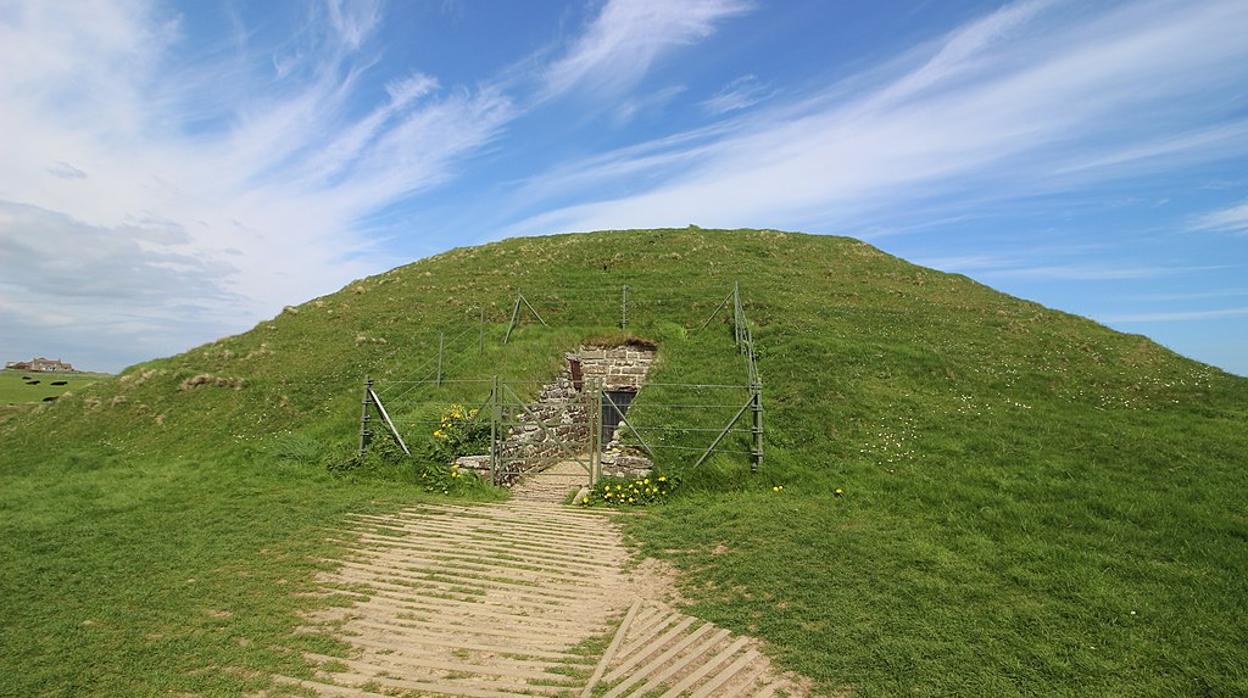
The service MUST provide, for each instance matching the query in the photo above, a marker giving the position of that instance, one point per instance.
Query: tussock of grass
(1017, 480)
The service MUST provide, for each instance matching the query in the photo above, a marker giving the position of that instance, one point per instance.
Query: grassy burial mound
(1029, 502)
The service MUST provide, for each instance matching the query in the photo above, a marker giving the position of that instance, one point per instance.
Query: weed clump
(459, 433)
(623, 492)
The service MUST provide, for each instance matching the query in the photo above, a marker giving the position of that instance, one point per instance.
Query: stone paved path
(523, 598)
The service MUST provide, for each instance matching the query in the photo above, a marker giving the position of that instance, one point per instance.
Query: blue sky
(174, 172)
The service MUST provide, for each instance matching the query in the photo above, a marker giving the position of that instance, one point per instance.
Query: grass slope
(1034, 504)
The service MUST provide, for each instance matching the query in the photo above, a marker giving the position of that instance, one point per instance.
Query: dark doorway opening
(578, 378)
(610, 416)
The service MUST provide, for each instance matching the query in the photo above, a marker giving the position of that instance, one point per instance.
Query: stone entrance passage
(594, 387)
(621, 371)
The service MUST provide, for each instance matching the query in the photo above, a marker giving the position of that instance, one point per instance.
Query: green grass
(1018, 480)
(159, 577)
(17, 387)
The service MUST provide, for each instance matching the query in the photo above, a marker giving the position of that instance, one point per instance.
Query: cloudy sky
(171, 172)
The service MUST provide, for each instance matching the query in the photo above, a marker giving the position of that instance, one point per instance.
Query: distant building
(40, 364)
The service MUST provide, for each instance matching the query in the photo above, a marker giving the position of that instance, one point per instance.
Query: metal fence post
(715, 312)
(495, 418)
(364, 432)
(756, 428)
(441, 345)
(515, 315)
(595, 437)
(736, 313)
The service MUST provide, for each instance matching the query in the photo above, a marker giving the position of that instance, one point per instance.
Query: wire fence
(667, 421)
(666, 417)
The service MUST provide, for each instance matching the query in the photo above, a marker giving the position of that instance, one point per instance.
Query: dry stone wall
(556, 424)
(619, 368)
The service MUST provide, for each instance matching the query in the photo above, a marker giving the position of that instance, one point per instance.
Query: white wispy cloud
(354, 20)
(64, 170)
(625, 110)
(262, 196)
(627, 37)
(1068, 261)
(1178, 316)
(1057, 263)
(1165, 150)
(1233, 219)
(1002, 106)
(265, 196)
(742, 93)
(161, 201)
(1191, 295)
(1092, 272)
(967, 262)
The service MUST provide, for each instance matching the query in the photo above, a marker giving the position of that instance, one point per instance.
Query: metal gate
(528, 437)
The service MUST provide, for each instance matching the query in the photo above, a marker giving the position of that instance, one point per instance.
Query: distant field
(15, 390)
